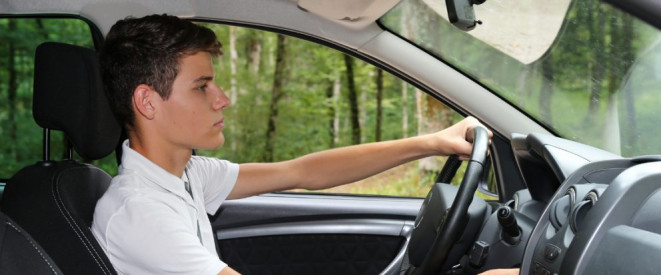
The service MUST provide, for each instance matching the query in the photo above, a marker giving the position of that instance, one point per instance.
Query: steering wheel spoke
(447, 216)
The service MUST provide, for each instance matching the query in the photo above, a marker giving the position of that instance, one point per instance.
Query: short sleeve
(218, 178)
(149, 237)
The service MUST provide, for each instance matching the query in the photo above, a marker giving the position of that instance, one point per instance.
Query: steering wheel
(439, 226)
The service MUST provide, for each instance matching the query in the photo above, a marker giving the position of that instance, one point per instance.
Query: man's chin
(215, 145)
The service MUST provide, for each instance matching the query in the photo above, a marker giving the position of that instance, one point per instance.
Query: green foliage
(315, 102)
(22, 138)
(306, 112)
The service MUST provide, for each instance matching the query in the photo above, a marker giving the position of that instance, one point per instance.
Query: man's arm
(334, 167)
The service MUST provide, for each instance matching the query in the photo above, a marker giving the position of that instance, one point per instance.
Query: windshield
(590, 73)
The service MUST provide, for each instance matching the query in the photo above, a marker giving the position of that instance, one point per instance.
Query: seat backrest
(20, 254)
(54, 201)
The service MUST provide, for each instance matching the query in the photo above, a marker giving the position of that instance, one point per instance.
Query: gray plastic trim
(541, 228)
(394, 268)
(626, 250)
(341, 226)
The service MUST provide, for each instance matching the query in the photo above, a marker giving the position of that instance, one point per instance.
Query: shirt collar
(134, 161)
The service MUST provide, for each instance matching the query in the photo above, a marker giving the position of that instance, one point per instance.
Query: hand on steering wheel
(437, 230)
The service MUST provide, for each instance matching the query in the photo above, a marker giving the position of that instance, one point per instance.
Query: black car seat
(20, 254)
(54, 200)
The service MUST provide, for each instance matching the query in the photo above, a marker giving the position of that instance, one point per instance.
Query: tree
(379, 100)
(405, 109)
(337, 87)
(596, 37)
(353, 100)
(234, 56)
(546, 91)
(254, 52)
(12, 88)
(276, 94)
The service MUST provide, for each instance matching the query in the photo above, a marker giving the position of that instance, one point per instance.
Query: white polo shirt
(147, 222)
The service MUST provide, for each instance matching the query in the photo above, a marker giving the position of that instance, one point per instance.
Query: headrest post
(46, 144)
(69, 150)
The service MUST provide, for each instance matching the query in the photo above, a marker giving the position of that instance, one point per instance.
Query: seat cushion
(54, 202)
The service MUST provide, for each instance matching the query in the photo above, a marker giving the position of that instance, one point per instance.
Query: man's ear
(143, 101)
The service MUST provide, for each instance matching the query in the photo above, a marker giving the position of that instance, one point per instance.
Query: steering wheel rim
(452, 222)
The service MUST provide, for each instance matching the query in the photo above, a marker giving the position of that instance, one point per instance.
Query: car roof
(647, 10)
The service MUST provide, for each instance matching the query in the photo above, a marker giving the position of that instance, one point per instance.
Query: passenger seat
(54, 201)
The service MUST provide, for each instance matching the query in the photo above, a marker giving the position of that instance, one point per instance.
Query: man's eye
(202, 88)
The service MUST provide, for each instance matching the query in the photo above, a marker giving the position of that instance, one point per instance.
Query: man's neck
(166, 156)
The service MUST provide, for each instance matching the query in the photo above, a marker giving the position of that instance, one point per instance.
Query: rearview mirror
(461, 13)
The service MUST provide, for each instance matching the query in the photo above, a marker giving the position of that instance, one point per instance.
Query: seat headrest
(69, 96)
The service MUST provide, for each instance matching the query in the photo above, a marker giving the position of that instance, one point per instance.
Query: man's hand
(452, 140)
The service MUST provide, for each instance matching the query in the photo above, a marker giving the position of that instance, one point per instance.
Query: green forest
(291, 97)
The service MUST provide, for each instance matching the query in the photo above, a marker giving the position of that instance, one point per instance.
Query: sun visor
(352, 13)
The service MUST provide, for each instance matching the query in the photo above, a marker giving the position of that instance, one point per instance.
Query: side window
(292, 97)
(22, 138)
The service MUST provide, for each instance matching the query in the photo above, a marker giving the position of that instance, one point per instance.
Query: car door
(314, 233)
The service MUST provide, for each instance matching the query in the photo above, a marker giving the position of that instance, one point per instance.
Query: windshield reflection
(595, 83)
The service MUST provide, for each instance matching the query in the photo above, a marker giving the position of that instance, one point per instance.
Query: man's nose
(221, 101)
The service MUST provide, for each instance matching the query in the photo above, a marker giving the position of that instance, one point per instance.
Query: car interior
(563, 206)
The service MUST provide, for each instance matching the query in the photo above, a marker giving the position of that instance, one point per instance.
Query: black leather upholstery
(54, 201)
(20, 254)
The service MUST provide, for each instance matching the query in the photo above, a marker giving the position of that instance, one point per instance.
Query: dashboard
(586, 211)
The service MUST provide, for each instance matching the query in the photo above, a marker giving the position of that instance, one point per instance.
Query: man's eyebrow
(203, 79)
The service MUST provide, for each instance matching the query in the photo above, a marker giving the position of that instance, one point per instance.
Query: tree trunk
(433, 116)
(279, 75)
(611, 132)
(406, 25)
(546, 91)
(405, 110)
(42, 28)
(254, 56)
(234, 56)
(337, 88)
(331, 115)
(353, 101)
(522, 89)
(12, 87)
(596, 40)
(362, 107)
(407, 32)
(628, 57)
(379, 99)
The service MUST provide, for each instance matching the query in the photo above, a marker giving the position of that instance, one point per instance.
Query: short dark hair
(147, 50)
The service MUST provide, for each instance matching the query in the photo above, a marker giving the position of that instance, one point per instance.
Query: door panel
(315, 234)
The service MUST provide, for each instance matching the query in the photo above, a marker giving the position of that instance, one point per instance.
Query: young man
(159, 78)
